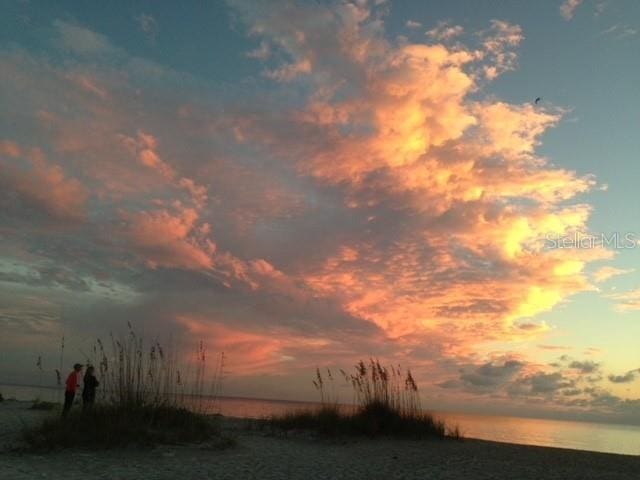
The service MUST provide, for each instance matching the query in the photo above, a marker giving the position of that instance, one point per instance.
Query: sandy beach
(260, 454)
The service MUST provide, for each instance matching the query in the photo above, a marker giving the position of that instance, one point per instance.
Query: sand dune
(260, 455)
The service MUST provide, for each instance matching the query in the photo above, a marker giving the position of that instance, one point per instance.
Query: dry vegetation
(133, 374)
(386, 401)
(145, 397)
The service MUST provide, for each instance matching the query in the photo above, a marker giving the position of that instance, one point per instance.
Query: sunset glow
(304, 184)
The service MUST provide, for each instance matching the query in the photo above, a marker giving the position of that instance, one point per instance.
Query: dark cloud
(491, 375)
(587, 366)
(546, 382)
(628, 377)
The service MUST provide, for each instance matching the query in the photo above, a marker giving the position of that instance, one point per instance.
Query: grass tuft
(110, 426)
(371, 420)
(386, 403)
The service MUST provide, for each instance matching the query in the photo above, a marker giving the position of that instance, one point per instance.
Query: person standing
(89, 385)
(72, 385)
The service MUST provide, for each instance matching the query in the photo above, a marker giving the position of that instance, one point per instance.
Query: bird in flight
(537, 100)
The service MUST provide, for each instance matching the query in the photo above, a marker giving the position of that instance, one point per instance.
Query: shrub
(386, 402)
(108, 426)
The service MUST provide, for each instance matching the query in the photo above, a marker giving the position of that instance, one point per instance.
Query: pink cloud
(38, 184)
(164, 239)
(569, 7)
(460, 167)
(260, 352)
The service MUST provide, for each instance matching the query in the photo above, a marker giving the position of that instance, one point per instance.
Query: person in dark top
(70, 388)
(89, 388)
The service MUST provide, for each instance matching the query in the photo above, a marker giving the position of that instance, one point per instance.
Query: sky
(306, 184)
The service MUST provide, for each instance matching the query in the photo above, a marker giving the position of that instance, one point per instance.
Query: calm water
(599, 437)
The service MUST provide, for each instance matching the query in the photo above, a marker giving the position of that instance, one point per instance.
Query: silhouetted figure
(90, 383)
(70, 388)
(537, 100)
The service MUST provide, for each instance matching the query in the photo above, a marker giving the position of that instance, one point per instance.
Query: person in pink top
(72, 384)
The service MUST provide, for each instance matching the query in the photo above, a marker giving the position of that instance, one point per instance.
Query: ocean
(597, 437)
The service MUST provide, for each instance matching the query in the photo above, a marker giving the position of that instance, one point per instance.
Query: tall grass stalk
(145, 397)
(373, 383)
(134, 373)
(385, 401)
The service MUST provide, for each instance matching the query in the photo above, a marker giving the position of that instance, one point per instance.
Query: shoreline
(593, 420)
(260, 453)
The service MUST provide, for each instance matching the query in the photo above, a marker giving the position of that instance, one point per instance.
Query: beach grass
(371, 420)
(145, 397)
(140, 373)
(110, 426)
(386, 403)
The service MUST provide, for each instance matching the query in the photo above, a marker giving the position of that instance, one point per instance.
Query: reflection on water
(600, 437)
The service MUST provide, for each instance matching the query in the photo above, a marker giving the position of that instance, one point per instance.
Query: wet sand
(260, 454)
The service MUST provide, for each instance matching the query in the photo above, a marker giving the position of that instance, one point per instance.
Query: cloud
(367, 197)
(569, 7)
(144, 148)
(490, 375)
(554, 347)
(165, 239)
(47, 275)
(421, 162)
(148, 25)
(413, 24)
(262, 52)
(564, 388)
(585, 366)
(288, 72)
(626, 301)
(546, 383)
(443, 31)
(628, 377)
(605, 273)
(619, 31)
(80, 40)
(30, 182)
(498, 42)
(9, 149)
(601, 6)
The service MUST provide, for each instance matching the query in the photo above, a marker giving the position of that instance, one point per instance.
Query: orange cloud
(263, 352)
(404, 138)
(9, 149)
(165, 239)
(388, 209)
(605, 273)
